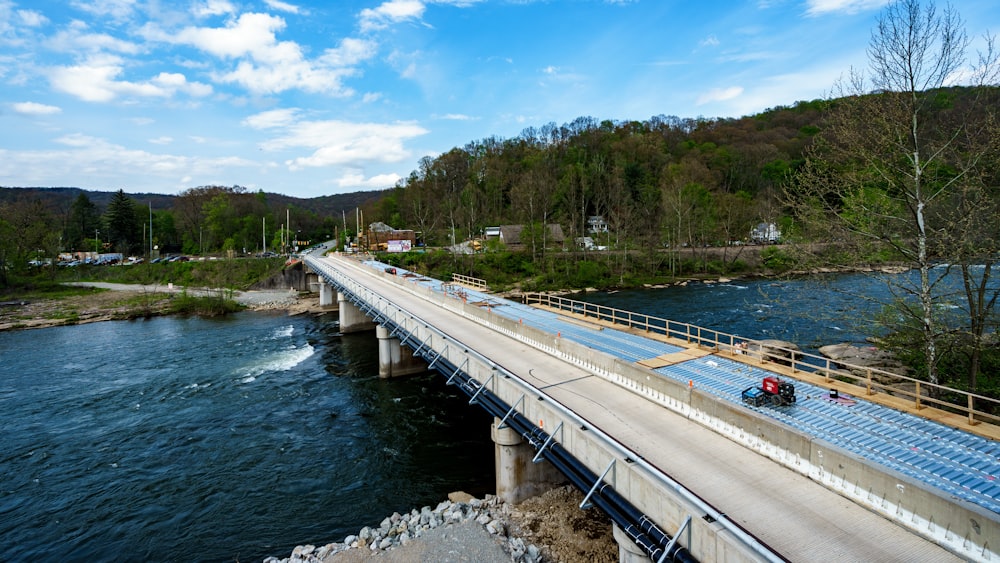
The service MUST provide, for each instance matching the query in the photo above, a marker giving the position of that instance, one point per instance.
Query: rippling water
(810, 312)
(178, 439)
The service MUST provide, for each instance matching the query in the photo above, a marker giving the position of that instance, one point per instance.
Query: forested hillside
(663, 182)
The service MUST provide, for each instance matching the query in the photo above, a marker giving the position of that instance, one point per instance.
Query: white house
(596, 224)
(765, 233)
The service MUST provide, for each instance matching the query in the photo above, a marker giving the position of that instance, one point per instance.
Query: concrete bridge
(684, 475)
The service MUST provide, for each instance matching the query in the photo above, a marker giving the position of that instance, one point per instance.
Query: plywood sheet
(675, 358)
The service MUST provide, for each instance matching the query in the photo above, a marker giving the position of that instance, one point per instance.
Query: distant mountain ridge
(60, 199)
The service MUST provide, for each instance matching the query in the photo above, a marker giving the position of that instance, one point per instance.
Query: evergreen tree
(121, 222)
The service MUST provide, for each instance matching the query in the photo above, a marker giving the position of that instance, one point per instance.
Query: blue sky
(314, 98)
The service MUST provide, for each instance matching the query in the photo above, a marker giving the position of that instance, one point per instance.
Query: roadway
(801, 520)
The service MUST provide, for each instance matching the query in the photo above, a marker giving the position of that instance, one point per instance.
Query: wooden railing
(470, 281)
(873, 380)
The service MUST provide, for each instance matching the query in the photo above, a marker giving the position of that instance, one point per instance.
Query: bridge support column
(394, 359)
(518, 478)
(628, 552)
(351, 318)
(325, 293)
(312, 281)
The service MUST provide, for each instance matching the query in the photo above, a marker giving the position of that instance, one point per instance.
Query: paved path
(800, 519)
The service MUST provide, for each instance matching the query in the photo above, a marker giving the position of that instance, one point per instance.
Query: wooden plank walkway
(954, 420)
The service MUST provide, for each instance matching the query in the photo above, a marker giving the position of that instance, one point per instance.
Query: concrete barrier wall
(647, 492)
(963, 527)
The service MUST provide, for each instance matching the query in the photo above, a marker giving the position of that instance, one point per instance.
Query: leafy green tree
(164, 230)
(84, 221)
(25, 234)
(894, 163)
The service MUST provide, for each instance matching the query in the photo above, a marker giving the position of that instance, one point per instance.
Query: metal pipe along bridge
(685, 471)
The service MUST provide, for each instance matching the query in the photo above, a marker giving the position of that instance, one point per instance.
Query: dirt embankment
(94, 306)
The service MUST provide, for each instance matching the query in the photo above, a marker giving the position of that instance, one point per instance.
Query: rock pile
(400, 529)
(777, 351)
(858, 358)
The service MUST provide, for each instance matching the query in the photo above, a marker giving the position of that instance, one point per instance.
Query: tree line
(231, 221)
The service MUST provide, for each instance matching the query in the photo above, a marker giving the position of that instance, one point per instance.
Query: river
(810, 312)
(184, 439)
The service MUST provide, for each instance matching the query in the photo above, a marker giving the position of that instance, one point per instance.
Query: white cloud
(116, 9)
(456, 117)
(266, 65)
(76, 38)
(271, 119)
(341, 142)
(33, 108)
(164, 140)
(391, 12)
(176, 82)
(751, 56)
(92, 161)
(93, 81)
(410, 72)
(250, 34)
(14, 23)
(141, 121)
(213, 8)
(820, 7)
(96, 80)
(710, 41)
(719, 95)
(31, 18)
(282, 6)
(356, 180)
(783, 89)
(350, 52)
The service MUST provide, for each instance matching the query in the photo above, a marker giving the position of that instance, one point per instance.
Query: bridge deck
(961, 464)
(800, 519)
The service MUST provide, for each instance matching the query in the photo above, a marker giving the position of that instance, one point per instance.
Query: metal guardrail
(362, 293)
(873, 381)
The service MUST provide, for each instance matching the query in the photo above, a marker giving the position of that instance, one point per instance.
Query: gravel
(462, 530)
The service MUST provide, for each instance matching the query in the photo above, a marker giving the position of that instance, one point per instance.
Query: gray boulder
(857, 359)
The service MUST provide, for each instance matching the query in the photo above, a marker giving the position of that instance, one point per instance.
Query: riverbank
(550, 527)
(116, 301)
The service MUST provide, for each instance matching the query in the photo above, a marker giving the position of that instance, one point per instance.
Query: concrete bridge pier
(325, 293)
(351, 318)
(628, 551)
(312, 281)
(394, 359)
(518, 478)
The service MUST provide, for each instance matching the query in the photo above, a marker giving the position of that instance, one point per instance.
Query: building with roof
(511, 236)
